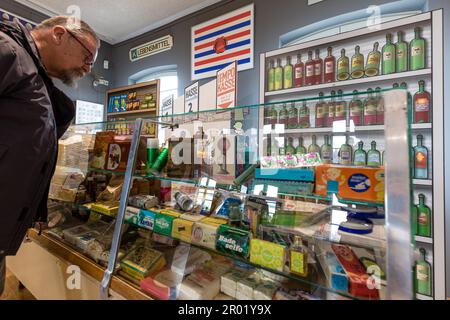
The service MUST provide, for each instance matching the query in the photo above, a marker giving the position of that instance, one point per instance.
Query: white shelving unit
(432, 27)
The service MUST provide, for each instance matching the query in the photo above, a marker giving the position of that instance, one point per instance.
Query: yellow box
(109, 208)
(267, 254)
(182, 227)
(354, 183)
(204, 232)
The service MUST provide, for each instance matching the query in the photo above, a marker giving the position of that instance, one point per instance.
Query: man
(34, 114)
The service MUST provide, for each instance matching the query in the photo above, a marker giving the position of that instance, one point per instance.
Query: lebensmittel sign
(150, 48)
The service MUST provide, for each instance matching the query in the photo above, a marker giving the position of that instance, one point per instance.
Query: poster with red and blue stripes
(221, 41)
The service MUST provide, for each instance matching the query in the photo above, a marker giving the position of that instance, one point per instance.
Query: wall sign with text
(226, 87)
(151, 48)
(191, 98)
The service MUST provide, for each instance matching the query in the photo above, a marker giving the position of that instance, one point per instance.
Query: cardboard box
(164, 222)
(204, 232)
(350, 182)
(233, 241)
(146, 219)
(182, 227)
(267, 254)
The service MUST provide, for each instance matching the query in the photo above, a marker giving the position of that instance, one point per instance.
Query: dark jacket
(34, 114)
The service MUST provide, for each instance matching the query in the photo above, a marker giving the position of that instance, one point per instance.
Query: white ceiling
(116, 21)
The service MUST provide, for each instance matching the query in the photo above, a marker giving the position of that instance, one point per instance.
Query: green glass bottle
(288, 74)
(401, 62)
(326, 151)
(373, 61)
(423, 274)
(314, 148)
(304, 116)
(290, 150)
(423, 218)
(343, 67)
(373, 156)
(417, 51)
(273, 116)
(282, 149)
(300, 148)
(357, 64)
(283, 116)
(271, 77)
(293, 117)
(388, 53)
(278, 76)
(345, 153)
(360, 156)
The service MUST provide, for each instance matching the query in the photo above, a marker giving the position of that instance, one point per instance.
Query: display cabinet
(405, 53)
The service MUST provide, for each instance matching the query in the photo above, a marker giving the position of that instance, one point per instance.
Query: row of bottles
(399, 57)
(346, 156)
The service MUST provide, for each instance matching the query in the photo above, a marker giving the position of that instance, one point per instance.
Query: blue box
(295, 174)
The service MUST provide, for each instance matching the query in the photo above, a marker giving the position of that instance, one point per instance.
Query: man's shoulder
(13, 55)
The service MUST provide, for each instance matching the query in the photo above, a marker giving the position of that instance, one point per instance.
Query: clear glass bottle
(300, 148)
(288, 74)
(330, 67)
(373, 61)
(357, 64)
(370, 109)
(326, 151)
(298, 258)
(310, 77)
(290, 150)
(304, 116)
(273, 116)
(299, 71)
(360, 156)
(318, 68)
(278, 76)
(388, 53)
(321, 112)
(343, 67)
(314, 147)
(340, 112)
(380, 106)
(417, 51)
(283, 116)
(373, 156)
(293, 117)
(356, 110)
(331, 109)
(345, 153)
(401, 62)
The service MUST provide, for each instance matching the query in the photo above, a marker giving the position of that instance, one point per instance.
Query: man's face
(76, 54)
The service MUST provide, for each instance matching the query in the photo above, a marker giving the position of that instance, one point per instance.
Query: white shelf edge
(418, 126)
(338, 84)
(423, 297)
(422, 182)
(423, 239)
(330, 130)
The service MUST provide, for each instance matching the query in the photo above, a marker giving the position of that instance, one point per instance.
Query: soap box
(267, 254)
(233, 240)
(109, 208)
(355, 183)
(164, 222)
(132, 215)
(182, 227)
(146, 219)
(204, 232)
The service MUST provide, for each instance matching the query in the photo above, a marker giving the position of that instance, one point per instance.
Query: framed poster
(222, 40)
(88, 112)
(191, 98)
(226, 92)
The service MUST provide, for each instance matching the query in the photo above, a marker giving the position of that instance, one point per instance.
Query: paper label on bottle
(329, 67)
(320, 112)
(373, 158)
(318, 69)
(373, 60)
(422, 273)
(400, 53)
(326, 155)
(416, 51)
(360, 158)
(298, 73)
(310, 71)
(340, 110)
(387, 56)
(298, 262)
(421, 160)
(423, 218)
(422, 105)
(343, 65)
(370, 110)
(357, 64)
(355, 111)
(331, 109)
(345, 156)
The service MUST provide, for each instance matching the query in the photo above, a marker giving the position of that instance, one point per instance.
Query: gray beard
(70, 78)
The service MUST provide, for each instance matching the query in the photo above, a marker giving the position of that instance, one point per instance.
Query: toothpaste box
(164, 222)
(146, 219)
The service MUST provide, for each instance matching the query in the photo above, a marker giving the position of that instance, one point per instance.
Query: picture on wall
(221, 41)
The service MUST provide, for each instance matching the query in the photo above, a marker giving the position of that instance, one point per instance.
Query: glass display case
(227, 209)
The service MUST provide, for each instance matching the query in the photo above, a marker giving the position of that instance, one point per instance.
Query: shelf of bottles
(361, 65)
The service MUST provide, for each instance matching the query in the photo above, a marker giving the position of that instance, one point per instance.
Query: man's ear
(57, 34)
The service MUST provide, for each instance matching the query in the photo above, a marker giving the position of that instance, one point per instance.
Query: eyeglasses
(90, 59)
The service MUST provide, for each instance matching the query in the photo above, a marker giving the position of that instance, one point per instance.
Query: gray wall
(85, 90)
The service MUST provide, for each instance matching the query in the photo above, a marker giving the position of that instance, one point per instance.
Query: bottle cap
(152, 143)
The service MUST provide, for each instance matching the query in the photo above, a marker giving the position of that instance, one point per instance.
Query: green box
(163, 224)
(233, 241)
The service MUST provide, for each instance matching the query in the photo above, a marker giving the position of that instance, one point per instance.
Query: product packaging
(267, 254)
(204, 232)
(233, 241)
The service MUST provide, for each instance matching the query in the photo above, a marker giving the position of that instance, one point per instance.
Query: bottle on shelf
(401, 57)
(293, 117)
(420, 159)
(330, 67)
(300, 148)
(345, 153)
(290, 150)
(340, 112)
(282, 147)
(303, 116)
(321, 112)
(310, 78)
(388, 53)
(288, 74)
(283, 116)
(278, 76)
(356, 110)
(423, 274)
(343, 67)
(382, 158)
(271, 76)
(360, 156)
(273, 116)
(357, 64)
(423, 218)
(266, 116)
(380, 106)
(298, 258)
(395, 86)
(422, 105)
(314, 148)
(326, 151)
(318, 68)
(370, 109)
(298, 71)
(331, 109)
(373, 61)
(417, 51)
(373, 156)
